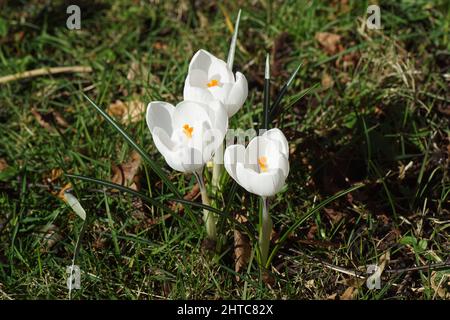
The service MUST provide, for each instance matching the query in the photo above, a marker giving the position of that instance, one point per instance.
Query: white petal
(202, 60)
(221, 92)
(258, 147)
(237, 95)
(278, 136)
(219, 70)
(282, 163)
(218, 116)
(197, 94)
(264, 184)
(197, 78)
(159, 114)
(233, 155)
(213, 129)
(167, 148)
(191, 159)
(191, 113)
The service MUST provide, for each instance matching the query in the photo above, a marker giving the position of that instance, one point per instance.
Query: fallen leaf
(126, 174)
(242, 248)
(331, 297)
(333, 215)
(127, 112)
(133, 71)
(40, 119)
(440, 282)
(327, 81)
(52, 176)
(330, 42)
(347, 60)
(191, 195)
(158, 45)
(49, 119)
(60, 121)
(3, 164)
(60, 193)
(51, 237)
(349, 294)
(312, 232)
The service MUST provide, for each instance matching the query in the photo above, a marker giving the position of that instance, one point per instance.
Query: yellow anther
(213, 83)
(262, 161)
(187, 130)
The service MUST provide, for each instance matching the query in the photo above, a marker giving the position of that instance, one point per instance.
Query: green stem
(208, 216)
(264, 232)
(217, 168)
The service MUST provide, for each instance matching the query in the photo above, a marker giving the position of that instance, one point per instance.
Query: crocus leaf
(154, 202)
(276, 104)
(232, 51)
(154, 166)
(267, 94)
(277, 113)
(73, 202)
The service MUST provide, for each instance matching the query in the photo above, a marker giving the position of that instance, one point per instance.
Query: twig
(44, 71)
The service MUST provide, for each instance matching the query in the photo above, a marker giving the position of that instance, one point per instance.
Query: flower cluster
(192, 133)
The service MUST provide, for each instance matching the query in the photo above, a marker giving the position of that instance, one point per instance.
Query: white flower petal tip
(262, 167)
(187, 135)
(209, 78)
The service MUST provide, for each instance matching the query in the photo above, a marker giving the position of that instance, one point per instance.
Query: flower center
(187, 130)
(213, 83)
(262, 161)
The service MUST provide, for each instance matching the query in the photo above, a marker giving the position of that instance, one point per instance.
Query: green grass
(386, 108)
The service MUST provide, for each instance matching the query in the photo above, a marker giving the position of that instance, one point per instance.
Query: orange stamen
(213, 83)
(262, 161)
(187, 130)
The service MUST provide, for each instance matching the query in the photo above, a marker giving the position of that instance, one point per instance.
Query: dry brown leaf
(242, 248)
(330, 42)
(40, 119)
(127, 112)
(312, 232)
(60, 121)
(60, 193)
(347, 60)
(126, 174)
(52, 176)
(349, 294)
(191, 196)
(133, 71)
(331, 297)
(48, 120)
(3, 164)
(158, 45)
(333, 215)
(51, 237)
(440, 282)
(327, 81)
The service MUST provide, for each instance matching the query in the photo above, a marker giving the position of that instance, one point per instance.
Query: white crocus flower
(262, 169)
(263, 166)
(209, 78)
(187, 135)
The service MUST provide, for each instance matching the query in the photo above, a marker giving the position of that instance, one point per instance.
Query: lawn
(366, 117)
